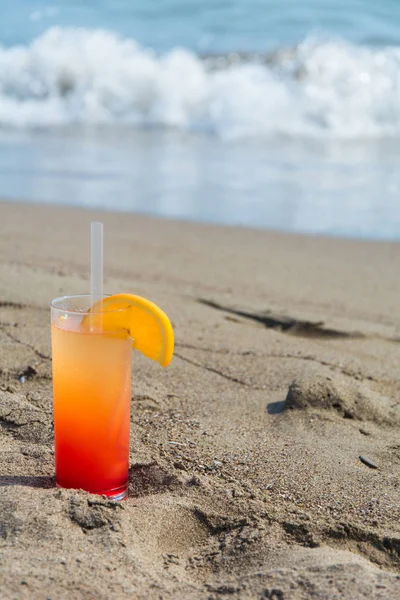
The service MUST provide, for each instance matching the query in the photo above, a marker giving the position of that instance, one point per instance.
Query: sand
(245, 477)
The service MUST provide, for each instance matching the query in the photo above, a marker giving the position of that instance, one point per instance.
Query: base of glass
(116, 494)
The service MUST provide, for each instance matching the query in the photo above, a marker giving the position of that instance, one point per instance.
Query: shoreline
(101, 212)
(207, 223)
(185, 220)
(245, 475)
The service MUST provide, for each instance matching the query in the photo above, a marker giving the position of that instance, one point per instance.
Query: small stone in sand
(368, 462)
(364, 431)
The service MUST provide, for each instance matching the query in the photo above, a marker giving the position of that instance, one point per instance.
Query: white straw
(96, 262)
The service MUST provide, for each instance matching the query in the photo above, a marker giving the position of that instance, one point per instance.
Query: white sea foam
(320, 88)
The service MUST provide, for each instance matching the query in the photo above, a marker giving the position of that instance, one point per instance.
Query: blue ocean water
(208, 25)
(265, 113)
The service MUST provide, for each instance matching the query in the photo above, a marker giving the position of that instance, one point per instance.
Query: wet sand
(246, 479)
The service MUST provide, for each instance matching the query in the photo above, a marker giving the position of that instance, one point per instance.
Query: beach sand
(245, 477)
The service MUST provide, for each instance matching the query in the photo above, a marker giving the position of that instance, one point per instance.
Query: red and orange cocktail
(92, 393)
(92, 349)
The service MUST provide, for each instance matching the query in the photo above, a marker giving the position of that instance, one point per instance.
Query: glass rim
(53, 304)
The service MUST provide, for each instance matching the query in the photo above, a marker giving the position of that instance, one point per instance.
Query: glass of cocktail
(92, 340)
(92, 394)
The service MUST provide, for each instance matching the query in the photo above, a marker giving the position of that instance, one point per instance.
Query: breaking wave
(327, 88)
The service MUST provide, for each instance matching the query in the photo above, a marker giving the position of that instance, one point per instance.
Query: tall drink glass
(92, 393)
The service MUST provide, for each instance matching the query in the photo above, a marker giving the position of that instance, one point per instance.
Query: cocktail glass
(92, 393)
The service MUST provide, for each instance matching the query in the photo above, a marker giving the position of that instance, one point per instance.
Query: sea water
(272, 114)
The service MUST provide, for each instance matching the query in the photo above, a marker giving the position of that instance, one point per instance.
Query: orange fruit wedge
(148, 326)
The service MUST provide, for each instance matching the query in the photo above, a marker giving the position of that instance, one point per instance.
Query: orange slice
(149, 327)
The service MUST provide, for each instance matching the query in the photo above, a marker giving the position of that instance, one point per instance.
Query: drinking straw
(96, 262)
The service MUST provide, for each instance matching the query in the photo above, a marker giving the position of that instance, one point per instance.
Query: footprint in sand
(336, 393)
